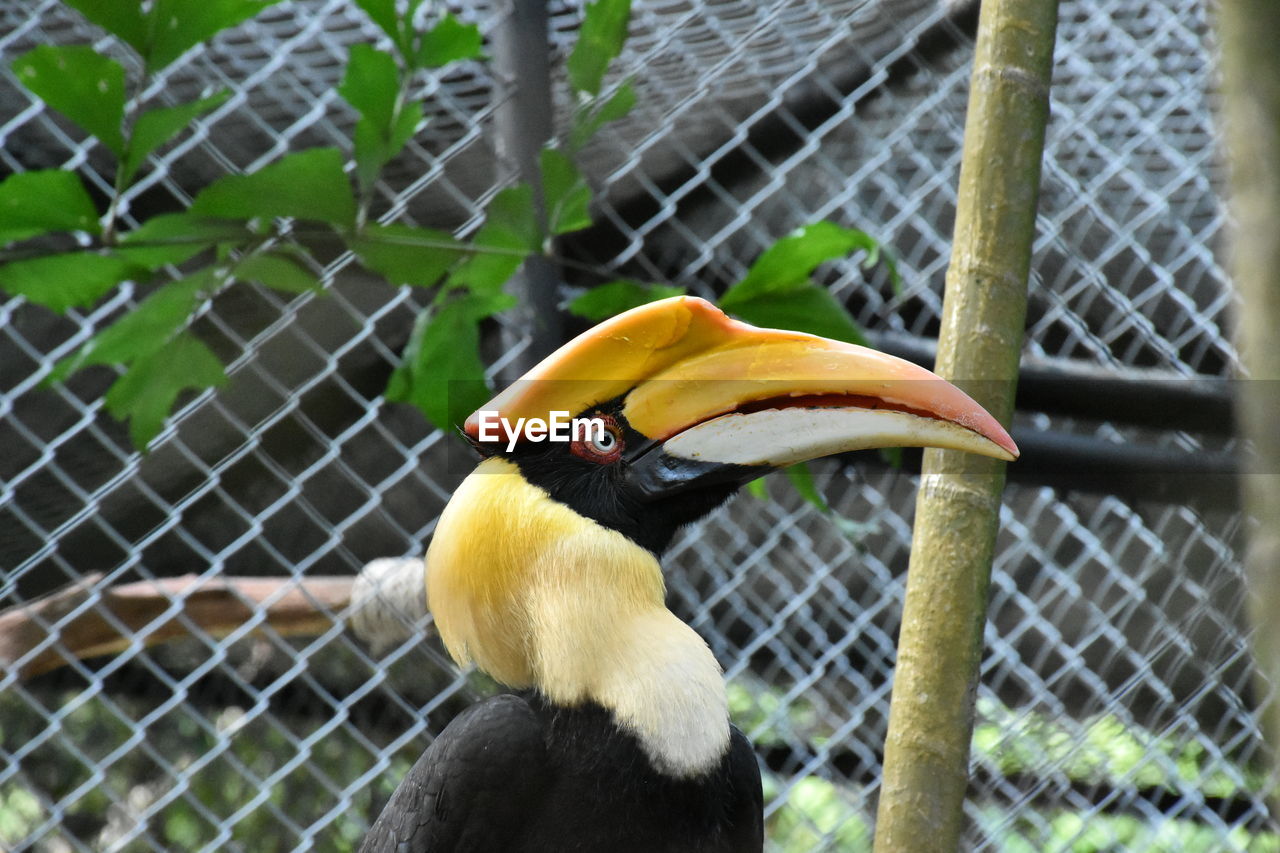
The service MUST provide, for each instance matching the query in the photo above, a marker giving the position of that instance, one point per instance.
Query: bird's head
(676, 407)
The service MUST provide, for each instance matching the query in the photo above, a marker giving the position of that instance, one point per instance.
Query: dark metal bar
(1132, 472)
(523, 120)
(1144, 398)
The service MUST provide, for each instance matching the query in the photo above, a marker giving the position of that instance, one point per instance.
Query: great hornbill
(544, 572)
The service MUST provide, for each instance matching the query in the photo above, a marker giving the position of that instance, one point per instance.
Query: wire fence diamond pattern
(1115, 706)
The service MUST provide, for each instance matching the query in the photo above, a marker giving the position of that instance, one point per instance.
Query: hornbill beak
(710, 401)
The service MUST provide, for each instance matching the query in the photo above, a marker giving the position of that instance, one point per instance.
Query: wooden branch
(156, 611)
(984, 309)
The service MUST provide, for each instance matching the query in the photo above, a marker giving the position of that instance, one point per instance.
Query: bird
(544, 573)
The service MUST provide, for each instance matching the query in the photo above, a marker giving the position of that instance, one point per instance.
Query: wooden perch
(382, 605)
(110, 619)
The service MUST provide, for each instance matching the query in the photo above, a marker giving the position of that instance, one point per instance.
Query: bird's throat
(539, 596)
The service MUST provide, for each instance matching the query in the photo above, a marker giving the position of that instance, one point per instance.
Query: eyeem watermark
(559, 427)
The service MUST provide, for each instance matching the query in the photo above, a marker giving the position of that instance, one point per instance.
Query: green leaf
(121, 18)
(802, 479)
(178, 25)
(145, 394)
(371, 85)
(756, 488)
(59, 282)
(442, 373)
(35, 203)
(892, 456)
(146, 329)
(788, 263)
(406, 124)
(891, 266)
(565, 193)
(370, 151)
(157, 126)
(279, 271)
(172, 238)
(85, 86)
(383, 13)
(509, 234)
(182, 828)
(449, 40)
(307, 185)
(600, 39)
(812, 309)
(606, 300)
(373, 148)
(588, 120)
(406, 255)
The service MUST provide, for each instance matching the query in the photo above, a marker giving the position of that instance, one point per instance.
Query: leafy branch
(442, 372)
(90, 90)
(252, 227)
(232, 230)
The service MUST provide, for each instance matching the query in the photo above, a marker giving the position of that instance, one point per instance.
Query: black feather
(515, 774)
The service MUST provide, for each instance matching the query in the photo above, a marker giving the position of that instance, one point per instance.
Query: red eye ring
(603, 448)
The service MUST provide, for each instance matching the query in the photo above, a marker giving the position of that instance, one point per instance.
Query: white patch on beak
(780, 437)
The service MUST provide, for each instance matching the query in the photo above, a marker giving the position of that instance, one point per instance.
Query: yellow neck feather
(540, 596)
(510, 570)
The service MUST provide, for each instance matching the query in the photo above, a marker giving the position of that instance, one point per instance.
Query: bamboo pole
(1250, 34)
(957, 510)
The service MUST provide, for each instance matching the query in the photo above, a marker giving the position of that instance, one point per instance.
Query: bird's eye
(601, 442)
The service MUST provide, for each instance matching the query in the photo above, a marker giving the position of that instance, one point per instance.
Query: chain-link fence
(1116, 708)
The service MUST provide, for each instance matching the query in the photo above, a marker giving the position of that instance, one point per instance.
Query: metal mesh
(1115, 707)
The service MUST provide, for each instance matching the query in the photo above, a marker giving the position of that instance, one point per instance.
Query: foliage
(35, 203)
(246, 227)
(232, 230)
(1038, 831)
(778, 289)
(770, 716)
(604, 301)
(229, 233)
(815, 815)
(195, 778)
(442, 373)
(1103, 749)
(812, 813)
(307, 763)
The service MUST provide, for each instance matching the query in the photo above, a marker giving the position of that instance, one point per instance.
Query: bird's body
(518, 774)
(543, 571)
(621, 740)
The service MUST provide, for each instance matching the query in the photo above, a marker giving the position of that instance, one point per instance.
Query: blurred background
(1116, 704)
